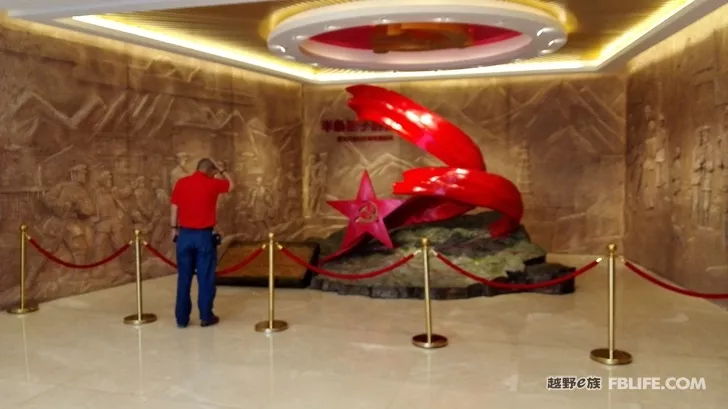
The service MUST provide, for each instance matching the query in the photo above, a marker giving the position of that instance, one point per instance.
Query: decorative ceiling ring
(414, 35)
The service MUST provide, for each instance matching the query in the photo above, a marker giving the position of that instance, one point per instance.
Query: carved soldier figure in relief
(706, 190)
(72, 207)
(719, 174)
(523, 173)
(698, 172)
(722, 168)
(649, 190)
(109, 218)
(676, 216)
(675, 175)
(660, 154)
(243, 213)
(110, 212)
(259, 201)
(159, 229)
(143, 208)
(293, 185)
(180, 170)
(317, 182)
(159, 193)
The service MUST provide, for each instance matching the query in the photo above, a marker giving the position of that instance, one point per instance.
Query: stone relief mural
(676, 207)
(525, 128)
(93, 139)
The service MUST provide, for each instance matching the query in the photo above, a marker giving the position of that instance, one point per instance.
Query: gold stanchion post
(24, 307)
(428, 340)
(271, 325)
(610, 355)
(140, 317)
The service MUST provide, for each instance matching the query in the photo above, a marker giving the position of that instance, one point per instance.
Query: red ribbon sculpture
(435, 193)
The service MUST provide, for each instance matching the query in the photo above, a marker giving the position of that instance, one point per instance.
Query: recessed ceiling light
(545, 30)
(382, 21)
(289, 57)
(442, 19)
(330, 28)
(557, 41)
(544, 52)
(278, 48)
(314, 64)
(498, 23)
(300, 37)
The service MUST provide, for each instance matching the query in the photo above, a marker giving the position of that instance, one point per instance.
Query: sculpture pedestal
(463, 240)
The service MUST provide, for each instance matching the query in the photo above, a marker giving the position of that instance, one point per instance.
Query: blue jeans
(195, 251)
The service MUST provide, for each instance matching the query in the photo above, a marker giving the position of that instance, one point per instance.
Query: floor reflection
(355, 352)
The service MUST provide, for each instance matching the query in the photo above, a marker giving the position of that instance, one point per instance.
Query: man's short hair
(206, 165)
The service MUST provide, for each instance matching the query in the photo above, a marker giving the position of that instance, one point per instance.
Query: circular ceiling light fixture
(277, 48)
(427, 35)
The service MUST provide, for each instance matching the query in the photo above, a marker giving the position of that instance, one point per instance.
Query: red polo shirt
(196, 197)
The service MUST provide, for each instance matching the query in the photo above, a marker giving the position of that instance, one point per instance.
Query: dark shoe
(182, 325)
(215, 319)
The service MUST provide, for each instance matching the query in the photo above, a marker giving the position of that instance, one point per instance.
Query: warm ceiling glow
(245, 58)
(521, 68)
(650, 23)
(310, 74)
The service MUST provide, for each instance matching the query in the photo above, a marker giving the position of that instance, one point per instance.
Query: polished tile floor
(353, 352)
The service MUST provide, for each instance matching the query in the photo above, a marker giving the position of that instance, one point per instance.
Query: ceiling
(602, 34)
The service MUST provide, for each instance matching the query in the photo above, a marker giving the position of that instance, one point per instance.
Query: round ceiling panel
(416, 35)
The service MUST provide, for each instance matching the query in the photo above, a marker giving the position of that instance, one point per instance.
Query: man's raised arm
(222, 172)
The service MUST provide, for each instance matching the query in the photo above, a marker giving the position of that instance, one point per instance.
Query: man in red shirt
(193, 218)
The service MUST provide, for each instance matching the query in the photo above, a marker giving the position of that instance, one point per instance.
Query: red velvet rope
(160, 256)
(226, 271)
(671, 287)
(241, 264)
(332, 274)
(55, 259)
(510, 286)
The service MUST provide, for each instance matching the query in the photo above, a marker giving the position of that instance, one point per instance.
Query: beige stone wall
(93, 134)
(677, 181)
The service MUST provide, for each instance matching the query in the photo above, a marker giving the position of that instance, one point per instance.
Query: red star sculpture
(366, 214)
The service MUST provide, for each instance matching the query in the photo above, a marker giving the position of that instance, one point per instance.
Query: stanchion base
(27, 309)
(436, 341)
(137, 320)
(266, 327)
(601, 355)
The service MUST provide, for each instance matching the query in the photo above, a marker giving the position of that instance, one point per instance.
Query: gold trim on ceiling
(598, 30)
(558, 11)
(275, 18)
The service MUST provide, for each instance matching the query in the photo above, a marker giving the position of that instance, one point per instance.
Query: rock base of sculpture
(463, 240)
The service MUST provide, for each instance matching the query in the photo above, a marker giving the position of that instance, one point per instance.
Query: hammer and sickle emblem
(368, 213)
